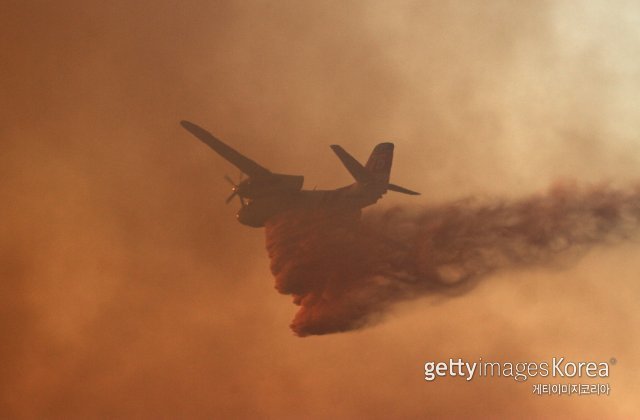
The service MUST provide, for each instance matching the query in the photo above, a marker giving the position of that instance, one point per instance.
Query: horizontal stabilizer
(402, 190)
(357, 171)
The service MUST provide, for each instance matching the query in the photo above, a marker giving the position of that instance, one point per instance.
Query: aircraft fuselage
(257, 212)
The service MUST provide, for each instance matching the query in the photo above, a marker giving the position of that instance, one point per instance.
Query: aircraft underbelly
(258, 211)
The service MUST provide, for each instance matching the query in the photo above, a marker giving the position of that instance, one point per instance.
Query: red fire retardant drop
(344, 270)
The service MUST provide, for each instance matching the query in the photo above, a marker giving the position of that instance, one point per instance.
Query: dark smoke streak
(345, 271)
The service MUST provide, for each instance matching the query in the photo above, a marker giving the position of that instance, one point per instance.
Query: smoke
(129, 291)
(345, 272)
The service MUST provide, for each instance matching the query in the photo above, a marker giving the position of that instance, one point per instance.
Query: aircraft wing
(242, 162)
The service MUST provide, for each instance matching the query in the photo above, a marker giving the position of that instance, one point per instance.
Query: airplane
(264, 193)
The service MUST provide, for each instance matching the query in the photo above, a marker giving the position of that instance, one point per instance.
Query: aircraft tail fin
(376, 170)
(378, 166)
(379, 163)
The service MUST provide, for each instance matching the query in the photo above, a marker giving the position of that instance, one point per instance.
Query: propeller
(235, 189)
(228, 200)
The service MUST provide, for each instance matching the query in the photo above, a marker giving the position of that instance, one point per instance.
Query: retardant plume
(345, 271)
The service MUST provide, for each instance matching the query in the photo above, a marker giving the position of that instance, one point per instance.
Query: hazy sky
(129, 290)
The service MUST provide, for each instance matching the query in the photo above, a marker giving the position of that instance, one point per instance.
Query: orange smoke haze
(128, 290)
